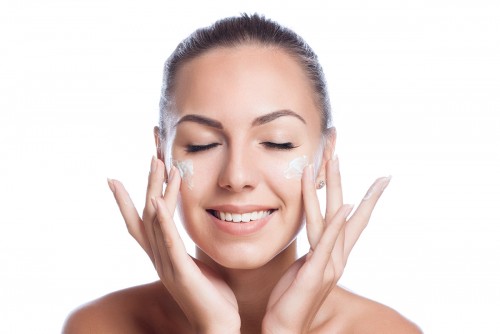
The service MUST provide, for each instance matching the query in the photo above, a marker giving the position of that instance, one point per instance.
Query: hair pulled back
(236, 31)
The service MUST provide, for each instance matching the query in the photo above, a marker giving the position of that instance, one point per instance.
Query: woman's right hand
(205, 298)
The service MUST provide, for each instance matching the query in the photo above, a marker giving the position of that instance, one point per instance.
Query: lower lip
(241, 229)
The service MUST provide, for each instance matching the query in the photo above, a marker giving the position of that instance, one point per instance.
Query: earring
(321, 184)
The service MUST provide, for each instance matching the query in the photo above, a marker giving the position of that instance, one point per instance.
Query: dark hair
(235, 31)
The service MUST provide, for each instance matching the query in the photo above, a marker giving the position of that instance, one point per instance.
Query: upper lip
(240, 208)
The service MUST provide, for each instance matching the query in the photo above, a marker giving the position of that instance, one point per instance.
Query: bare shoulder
(141, 309)
(373, 317)
(356, 314)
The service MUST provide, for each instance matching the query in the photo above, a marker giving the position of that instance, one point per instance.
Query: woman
(245, 138)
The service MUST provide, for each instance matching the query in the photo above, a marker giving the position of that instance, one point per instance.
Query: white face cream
(295, 168)
(186, 171)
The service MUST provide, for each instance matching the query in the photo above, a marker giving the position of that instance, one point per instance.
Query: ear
(159, 152)
(330, 139)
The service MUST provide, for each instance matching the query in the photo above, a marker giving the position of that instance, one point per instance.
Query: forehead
(244, 82)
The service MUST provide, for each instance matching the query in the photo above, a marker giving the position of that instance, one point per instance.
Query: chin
(238, 256)
(247, 256)
(241, 265)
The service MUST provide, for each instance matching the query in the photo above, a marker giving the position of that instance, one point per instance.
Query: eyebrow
(276, 114)
(256, 122)
(201, 120)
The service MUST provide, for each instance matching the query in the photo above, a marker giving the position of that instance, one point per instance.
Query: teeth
(241, 217)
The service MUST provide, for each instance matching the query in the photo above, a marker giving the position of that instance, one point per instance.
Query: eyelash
(268, 144)
(279, 146)
(200, 148)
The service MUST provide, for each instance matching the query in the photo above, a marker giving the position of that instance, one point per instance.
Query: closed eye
(200, 148)
(278, 146)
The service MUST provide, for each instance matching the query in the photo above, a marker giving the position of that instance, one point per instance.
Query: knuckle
(366, 214)
(130, 230)
(147, 213)
(169, 242)
(158, 218)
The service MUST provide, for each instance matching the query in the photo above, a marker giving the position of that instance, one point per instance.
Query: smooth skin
(266, 289)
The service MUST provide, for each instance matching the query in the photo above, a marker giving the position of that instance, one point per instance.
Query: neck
(252, 287)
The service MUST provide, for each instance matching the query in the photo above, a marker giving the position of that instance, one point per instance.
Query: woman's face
(243, 117)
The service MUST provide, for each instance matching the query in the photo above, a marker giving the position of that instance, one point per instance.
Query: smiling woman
(245, 139)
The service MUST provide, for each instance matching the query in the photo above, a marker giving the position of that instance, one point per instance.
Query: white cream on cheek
(186, 171)
(295, 168)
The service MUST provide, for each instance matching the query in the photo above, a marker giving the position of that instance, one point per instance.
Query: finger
(160, 242)
(334, 197)
(323, 252)
(172, 191)
(129, 213)
(155, 187)
(314, 219)
(361, 216)
(163, 264)
(334, 200)
(171, 243)
(338, 254)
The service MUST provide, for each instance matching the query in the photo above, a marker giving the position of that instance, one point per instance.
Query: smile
(240, 217)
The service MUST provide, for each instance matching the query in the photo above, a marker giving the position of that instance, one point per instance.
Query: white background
(415, 87)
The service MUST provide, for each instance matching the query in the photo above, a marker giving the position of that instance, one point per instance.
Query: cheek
(186, 171)
(290, 171)
(284, 177)
(296, 167)
(194, 174)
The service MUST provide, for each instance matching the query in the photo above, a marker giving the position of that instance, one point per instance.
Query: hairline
(250, 41)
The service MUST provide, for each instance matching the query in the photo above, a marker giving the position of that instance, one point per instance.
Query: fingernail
(335, 162)
(152, 169)
(310, 173)
(380, 185)
(111, 185)
(385, 183)
(171, 175)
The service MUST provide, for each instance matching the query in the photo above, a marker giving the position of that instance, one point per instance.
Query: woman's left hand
(299, 294)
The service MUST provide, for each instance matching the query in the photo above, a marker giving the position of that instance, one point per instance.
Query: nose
(238, 172)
